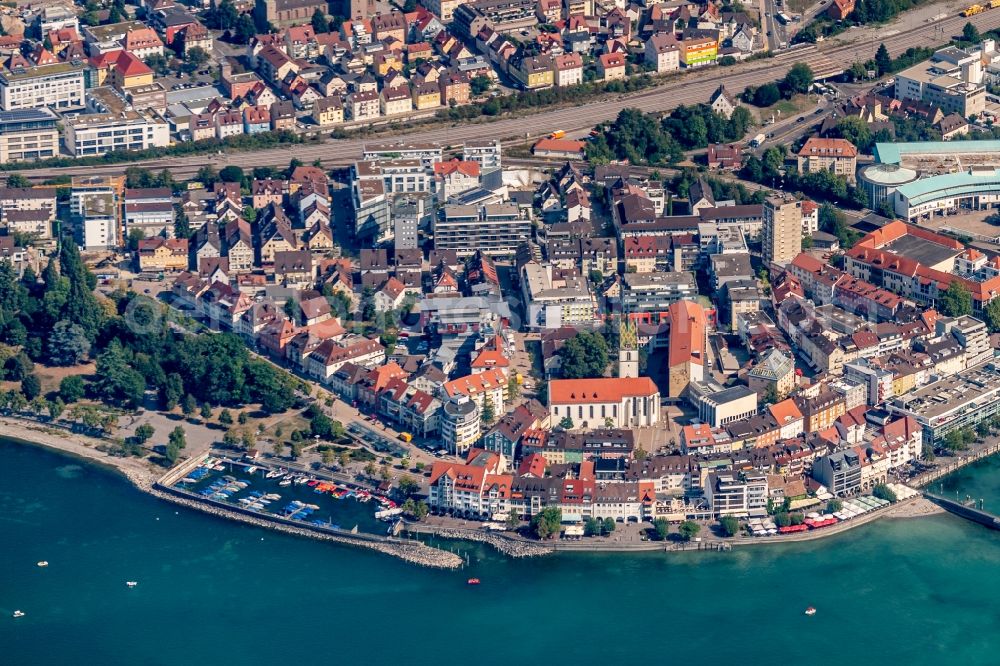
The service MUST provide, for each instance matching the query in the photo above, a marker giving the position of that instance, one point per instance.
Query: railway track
(689, 89)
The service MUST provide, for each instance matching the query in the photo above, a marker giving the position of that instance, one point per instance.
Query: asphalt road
(687, 89)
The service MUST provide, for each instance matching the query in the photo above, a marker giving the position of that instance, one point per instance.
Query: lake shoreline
(144, 476)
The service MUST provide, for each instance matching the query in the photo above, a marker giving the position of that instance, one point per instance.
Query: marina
(275, 492)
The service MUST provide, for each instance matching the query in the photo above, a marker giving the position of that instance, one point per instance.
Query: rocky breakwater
(504, 544)
(408, 551)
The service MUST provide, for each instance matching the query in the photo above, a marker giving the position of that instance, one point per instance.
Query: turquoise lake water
(912, 592)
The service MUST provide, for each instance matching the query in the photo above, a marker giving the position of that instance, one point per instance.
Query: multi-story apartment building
(555, 298)
(28, 134)
(838, 156)
(840, 472)
(503, 16)
(654, 292)
(444, 9)
(662, 52)
(95, 207)
(100, 133)
(58, 86)
(460, 425)
(782, 232)
(699, 47)
(494, 229)
(737, 493)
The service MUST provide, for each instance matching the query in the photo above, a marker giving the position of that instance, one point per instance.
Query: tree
(927, 452)
(592, 527)
(18, 367)
(884, 492)
(480, 84)
(144, 432)
(730, 525)
(799, 79)
(205, 411)
(188, 405)
(320, 24)
(883, 61)
(182, 227)
(971, 34)
(245, 30)
(609, 526)
(547, 523)
(954, 441)
(489, 413)
(662, 528)
(327, 456)
(764, 96)
(782, 519)
(955, 301)
(855, 130)
(31, 386)
(407, 485)
(689, 529)
(177, 437)
(420, 510)
(834, 505)
(242, 418)
(71, 388)
(56, 408)
(771, 396)
(514, 389)
(134, 236)
(18, 181)
(231, 174)
(370, 469)
(117, 381)
(584, 355)
(173, 453)
(196, 57)
(566, 423)
(226, 417)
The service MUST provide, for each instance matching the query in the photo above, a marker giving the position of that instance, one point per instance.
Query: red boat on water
(473, 581)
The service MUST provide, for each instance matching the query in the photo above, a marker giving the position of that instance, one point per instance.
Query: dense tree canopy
(61, 321)
(584, 355)
(955, 301)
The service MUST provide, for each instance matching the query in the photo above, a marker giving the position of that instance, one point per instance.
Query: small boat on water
(131, 583)
(43, 563)
(18, 613)
(473, 581)
(810, 611)
(285, 482)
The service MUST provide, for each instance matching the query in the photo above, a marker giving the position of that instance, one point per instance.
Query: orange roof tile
(601, 389)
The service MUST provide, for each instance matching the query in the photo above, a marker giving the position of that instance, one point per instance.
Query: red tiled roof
(598, 390)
